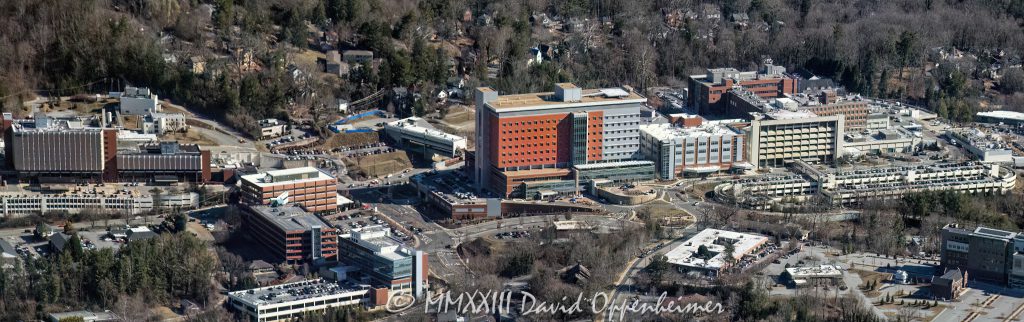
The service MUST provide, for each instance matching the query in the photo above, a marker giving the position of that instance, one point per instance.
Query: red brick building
(63, 149)
(707, 90)
(540, 136)
(308, 187)
(291, 234)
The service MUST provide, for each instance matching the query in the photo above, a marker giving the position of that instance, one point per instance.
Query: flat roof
(7, 248)
(270, 178)
(1009, 115)
(341, 200)
(85, 315)
(781, 114)
(289, 217)
(686, 253)
(994, 233)
(545, 171)
(416, 125)
(665, 131)
(617, 164)
(378, 239)
(826, 271)
(548, 99)
(572, 225)
(358, 52)
(290, 292)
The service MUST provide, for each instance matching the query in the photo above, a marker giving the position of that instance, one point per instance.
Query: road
(625, 286)
(136, 220)
(397, 179)
(441, 242)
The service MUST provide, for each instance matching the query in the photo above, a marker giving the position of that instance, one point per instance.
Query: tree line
(154, 271)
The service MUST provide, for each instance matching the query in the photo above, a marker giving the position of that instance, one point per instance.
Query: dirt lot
(660, 210)
(193, 137)
(307, 58)
(376, 165)
(164, 313)
(877, 277)
(459, 115)
(480, 247)
(201, 232)
(81, 108)
(459, 121)
(350, 140)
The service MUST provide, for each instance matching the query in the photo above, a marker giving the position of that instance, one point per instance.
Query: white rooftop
(822, 271)
(615, 164)
(1018, 116)
(342, 200)
(158, 115)
(418, 126)
(290, 292)
(572, 225)
(780, 114)
(276, 177)
(139, 229)
(379, 240)
(667, 131)
(715, 240)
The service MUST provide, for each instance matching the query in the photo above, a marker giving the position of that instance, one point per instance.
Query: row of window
(619, 117)
(623, 146)
(619, 124)
(525, 153)
(312, 304)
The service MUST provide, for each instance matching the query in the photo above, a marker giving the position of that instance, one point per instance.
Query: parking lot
(514, 234)
(349, 220)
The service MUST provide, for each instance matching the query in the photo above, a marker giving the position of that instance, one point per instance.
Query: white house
(138, 101)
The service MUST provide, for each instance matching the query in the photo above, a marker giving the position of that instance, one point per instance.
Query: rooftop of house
(260, 264)
(6, 249)
(357, 52)
(949, 277)
(269, 122)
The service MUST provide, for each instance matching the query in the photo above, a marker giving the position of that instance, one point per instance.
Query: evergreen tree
(74, 247)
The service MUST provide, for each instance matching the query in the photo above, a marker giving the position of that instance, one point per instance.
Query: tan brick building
(308, 187)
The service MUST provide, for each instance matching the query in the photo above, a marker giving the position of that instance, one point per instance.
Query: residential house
(356, 56)
(949, 285)
(333, 64)
(741, 20)
(58, 241)
(197, 64)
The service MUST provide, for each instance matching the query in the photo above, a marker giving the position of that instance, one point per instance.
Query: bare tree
(132, 308)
